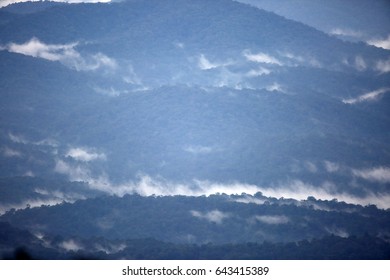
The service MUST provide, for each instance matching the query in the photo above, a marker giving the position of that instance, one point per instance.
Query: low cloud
(57, 194)
(36, 48)
(383, 66)
(337, 231)
(131, 76)
(292, 56)
(314, 63)
(80, 172)
(83, 154)
(276, 87)
(311, 167)
(17, 138)
(295, 189)
(48, 142)
(261, 58)
(272, 220)
(258, 72)
(70, 245)
(100, 60)
(179, 45)
(11, 153)
(49, 197)
(108, 91)
(214, 216)
(31, 203)
(250, 199)
(29, 174)
(295, 60)
(205, 64)
(377, 174)
(64, 53)
(380, 43)
(331, 166)
(299, 190)
(370, 96)
(74, 172)
(227, 78)
(360, 63)
(145, 185)
(346, 32)
(110, 248)
(198, 149)
(209, 188)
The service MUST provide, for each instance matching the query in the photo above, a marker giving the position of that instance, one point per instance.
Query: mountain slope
(218, 219)
(189, 122)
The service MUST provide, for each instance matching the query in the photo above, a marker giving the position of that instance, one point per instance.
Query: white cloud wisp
(346, 32)
(196, 150)
(64, 53)
(272, 219)
(296, 189)
(380, 43)
(370, 96)
(82, 154)
(205, 64)
(261, 58)
(383, 66)
(214, 216)
(378, 174)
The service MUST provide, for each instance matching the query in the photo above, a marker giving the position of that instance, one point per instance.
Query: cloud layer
(205, 64)
(381, 43)
(261, 58)
(295, 189)
(378, 174)
(383, 66)
(198, 149)
(370, 96)
(82, 154)
(64, 53)
(346, 32)
(76, 163)
(272, 220)
(214, 216)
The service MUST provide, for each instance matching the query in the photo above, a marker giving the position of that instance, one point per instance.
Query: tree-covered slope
(217, 219)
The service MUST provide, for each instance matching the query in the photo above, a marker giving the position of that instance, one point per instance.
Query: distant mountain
(189, 98)
(19, 192)
(49, 247)
(219, 219)
(30, 7)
